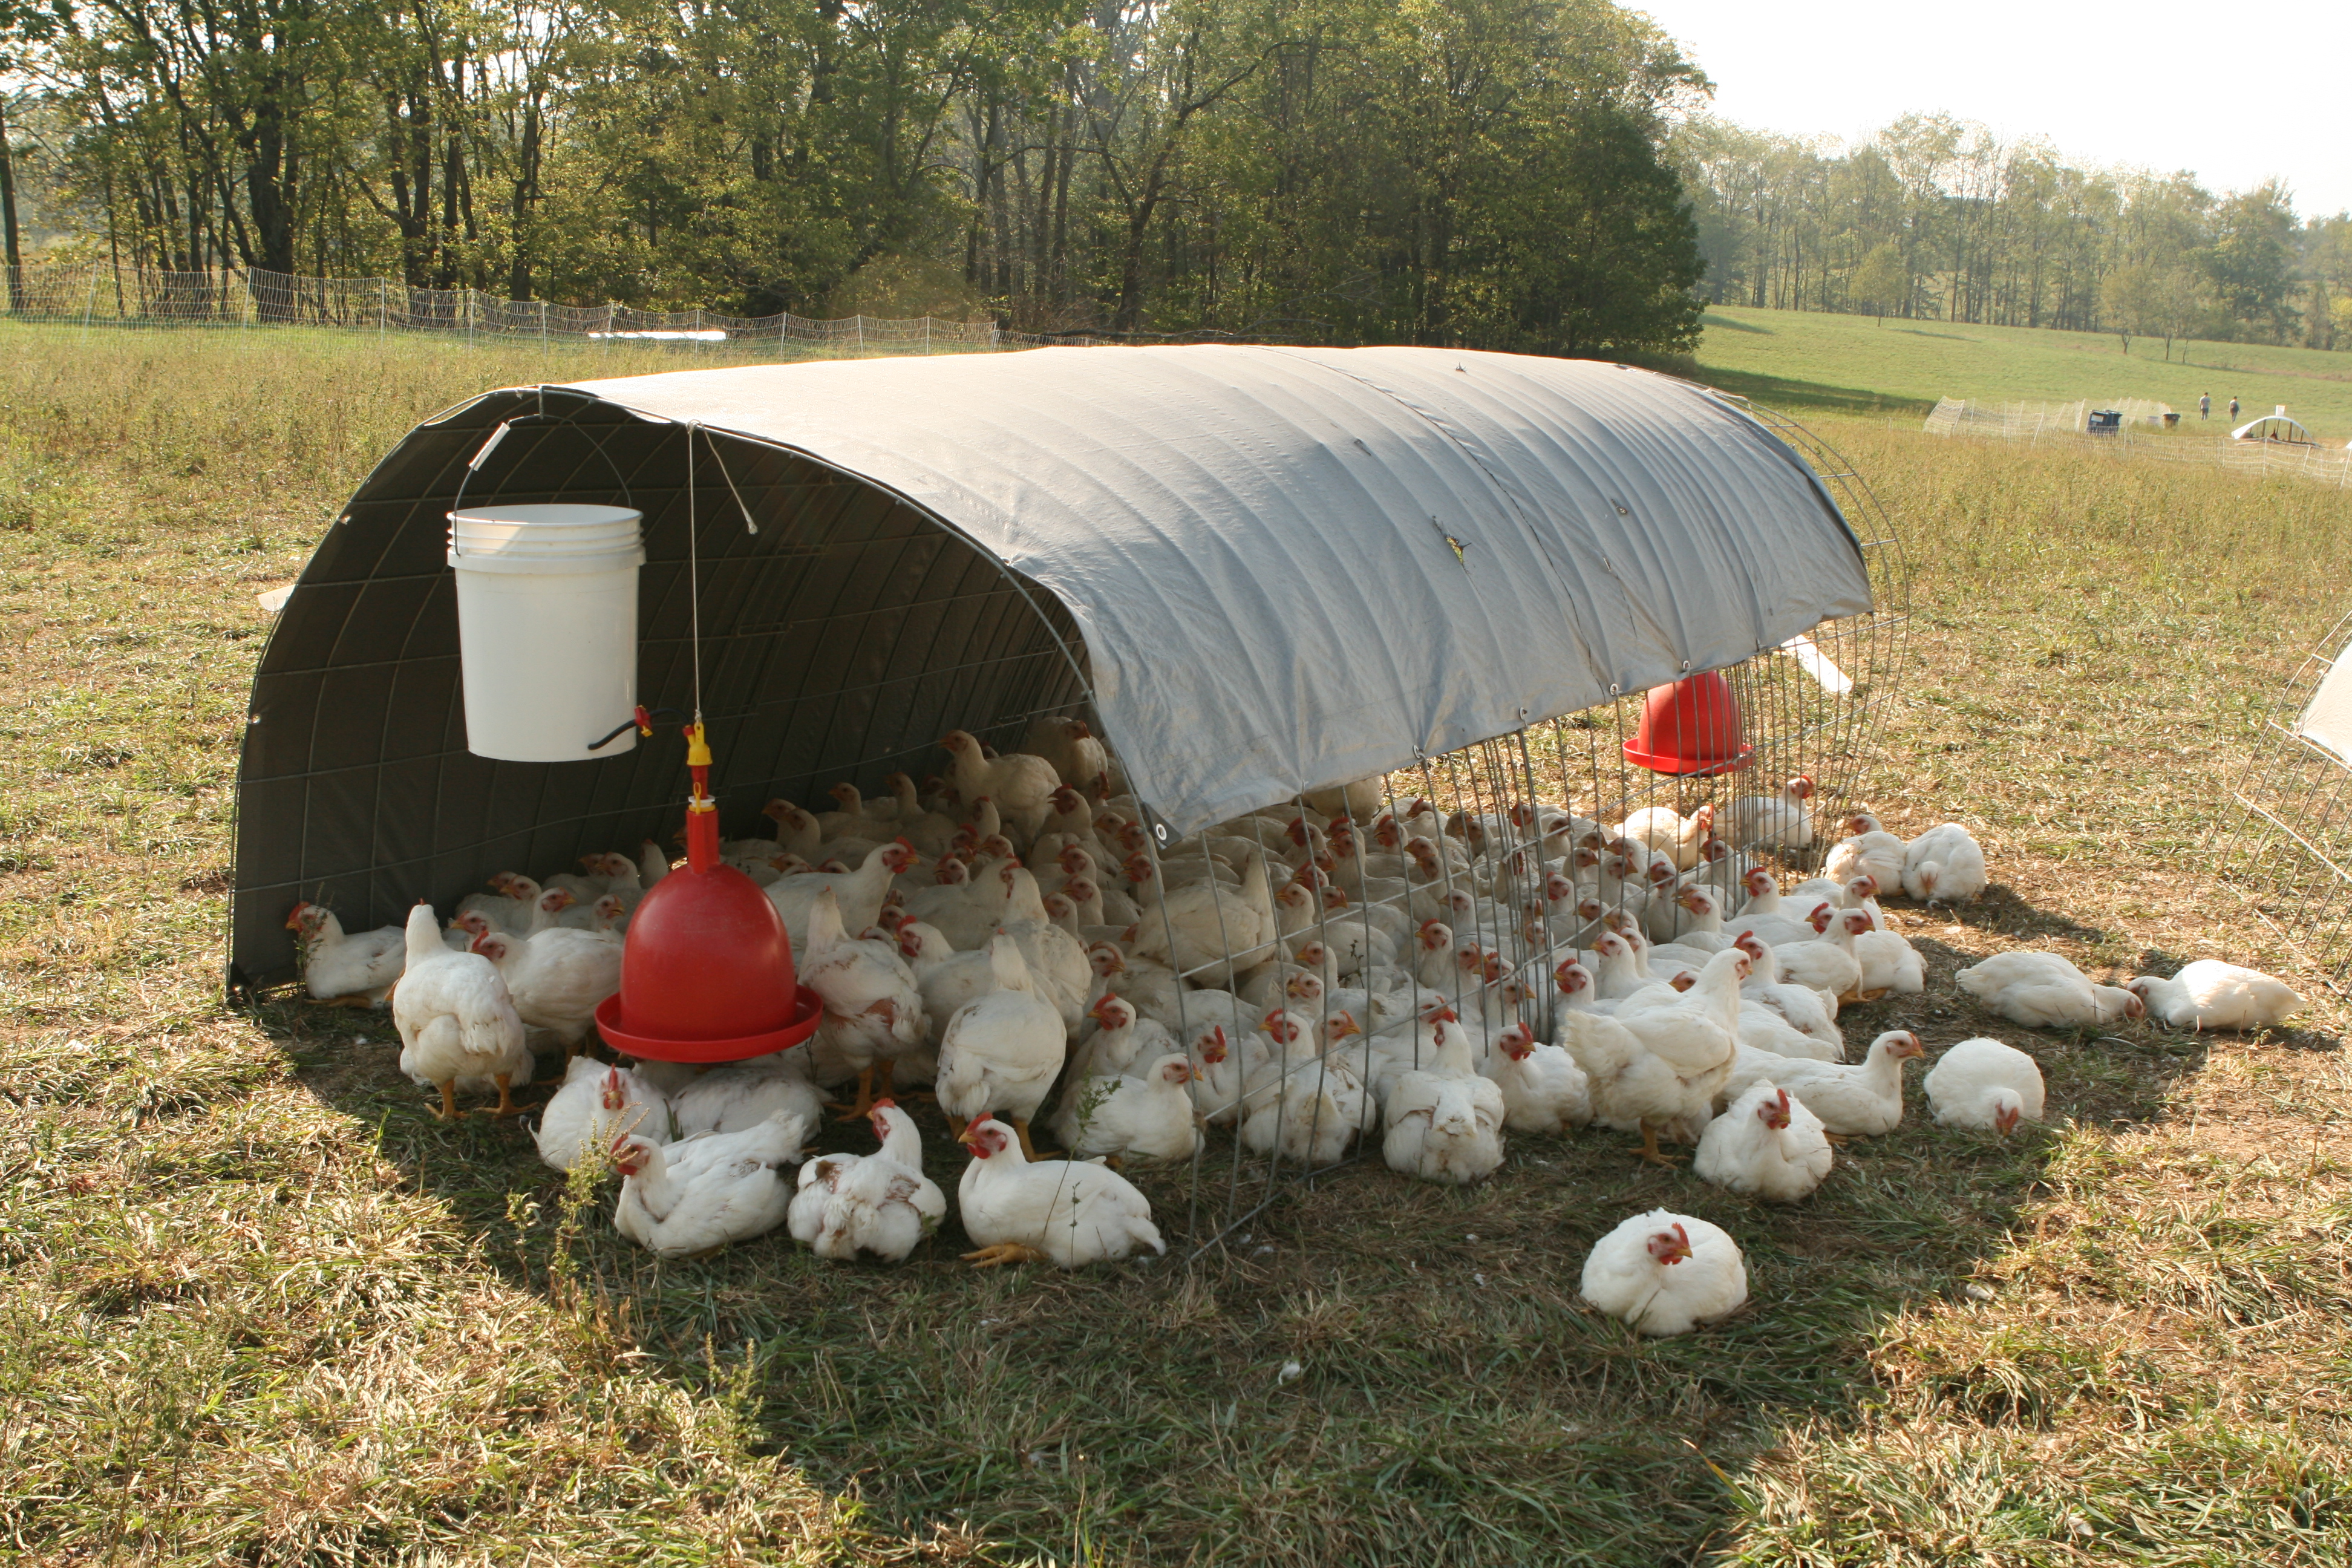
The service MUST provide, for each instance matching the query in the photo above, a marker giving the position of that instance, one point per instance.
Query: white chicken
(1002, 1052)
(2042, 991)
(556, 977)
(1761, 822)
(1444, 1120)
(357, 969)
(1666, 1274)
(1802, 1008)
(693, 1196)
(859, 893)
(1986, 1084)
(1149, 1114)
(458, 1026)
(1022, 786)
(1543, 1089)
(1658, 1067)
(1064, 1212)
(744, 1094)
(873, 1007)
(1945, 864)
(1069, 746)
(1768, 1145)
(879, 1205)
(1670, 833)
(2212, 995)
(1853, 1099)
(1867, 847)
(1829, 964)
(1199, 925)
(595, 1105)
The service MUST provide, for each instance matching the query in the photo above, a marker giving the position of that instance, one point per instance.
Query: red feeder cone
(1691, 726)
(706, 968)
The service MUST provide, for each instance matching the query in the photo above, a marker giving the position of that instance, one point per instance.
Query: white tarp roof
(1294, 567)
(2326, 718)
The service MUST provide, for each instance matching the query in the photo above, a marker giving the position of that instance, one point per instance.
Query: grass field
(1856, 364)
(262, 1308)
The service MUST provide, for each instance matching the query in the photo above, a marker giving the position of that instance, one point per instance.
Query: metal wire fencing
(101, 295)
(2288, 850)
(2140, 435)
(1462, 882)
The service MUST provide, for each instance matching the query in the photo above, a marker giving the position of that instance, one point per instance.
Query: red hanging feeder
(707, 968)
(1691, 727)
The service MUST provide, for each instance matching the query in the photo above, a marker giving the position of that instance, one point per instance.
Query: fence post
(861, 333)
(89, 303)
(927, 331)
(383, 307)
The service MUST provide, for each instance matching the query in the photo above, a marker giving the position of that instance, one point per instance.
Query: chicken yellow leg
(863, 1107)
(506, 1105)
(449, 1111)
(1649, 1151)
(1005, 1252)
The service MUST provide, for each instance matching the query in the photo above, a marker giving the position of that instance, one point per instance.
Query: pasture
(263, 1307)
(1810, 361)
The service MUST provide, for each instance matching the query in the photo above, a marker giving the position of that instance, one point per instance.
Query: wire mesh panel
(2288, 851)
(1300, 956)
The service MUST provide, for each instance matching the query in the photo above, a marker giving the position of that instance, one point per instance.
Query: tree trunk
(15, 258)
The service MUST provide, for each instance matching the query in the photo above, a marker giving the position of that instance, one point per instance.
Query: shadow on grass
(1789, 396)
(1451, 1401)
(1714, 322)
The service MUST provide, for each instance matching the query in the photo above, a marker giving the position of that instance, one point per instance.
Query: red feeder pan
(1691, 727)
(706, 968)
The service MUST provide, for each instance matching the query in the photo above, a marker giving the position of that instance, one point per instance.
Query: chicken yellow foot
(506, 1105)
(449, 1111)
(1005, 1252)
(864, 1105)
(1650, 1152)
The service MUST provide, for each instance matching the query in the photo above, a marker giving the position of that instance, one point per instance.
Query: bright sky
(2235, 94)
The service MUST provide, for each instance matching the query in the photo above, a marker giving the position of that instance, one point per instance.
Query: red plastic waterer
(1691, 727)
(706, 968)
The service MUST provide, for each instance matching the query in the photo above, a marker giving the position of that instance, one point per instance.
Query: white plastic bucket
(547, 627)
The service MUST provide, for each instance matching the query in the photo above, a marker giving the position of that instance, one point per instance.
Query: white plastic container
(547, 627)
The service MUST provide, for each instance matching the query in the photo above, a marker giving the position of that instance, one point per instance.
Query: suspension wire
(693, 577)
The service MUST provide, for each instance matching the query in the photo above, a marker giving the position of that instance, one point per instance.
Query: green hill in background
(1805, 359)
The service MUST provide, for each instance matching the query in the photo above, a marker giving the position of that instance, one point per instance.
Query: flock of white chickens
(1306, 976)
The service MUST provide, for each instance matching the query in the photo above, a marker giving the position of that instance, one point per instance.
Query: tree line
(1937, 218)
(1483, 172)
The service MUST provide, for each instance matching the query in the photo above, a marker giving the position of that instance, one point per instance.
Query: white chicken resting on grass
(1761, 822)
(744, 1094)
(1543, 1089)
(2042, 991)
(1064, 1212)
(878, 1205)
(1867, 847)
(595, 1104)
(1945, 864)
(1986, 1084)
(696, 1195)
(1149, 1114)
(1002, 1052)
(2211, 995)
(1665, 1274)
(1444, 1120)
(458, 1026)
(1657, 1068)
(357, 969)
(1766, 1145)
(1853, 1099)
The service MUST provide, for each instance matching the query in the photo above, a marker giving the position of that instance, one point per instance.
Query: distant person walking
(2204, 406)
(2233, 405)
